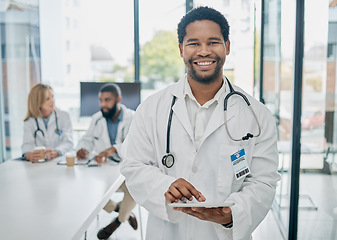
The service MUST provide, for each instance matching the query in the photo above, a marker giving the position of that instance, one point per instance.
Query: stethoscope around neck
(231, 93)
(168, 158)
(57, 130)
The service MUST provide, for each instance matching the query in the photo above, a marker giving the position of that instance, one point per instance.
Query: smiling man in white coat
(106, 133)
(202, 141)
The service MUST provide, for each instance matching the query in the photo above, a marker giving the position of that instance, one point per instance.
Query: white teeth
(204, 63)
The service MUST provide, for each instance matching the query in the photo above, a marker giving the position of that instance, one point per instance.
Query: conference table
(51, 201)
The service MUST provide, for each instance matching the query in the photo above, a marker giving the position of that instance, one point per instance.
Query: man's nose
(204, 50)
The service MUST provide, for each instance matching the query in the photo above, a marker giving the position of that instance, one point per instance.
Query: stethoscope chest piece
(168, 160)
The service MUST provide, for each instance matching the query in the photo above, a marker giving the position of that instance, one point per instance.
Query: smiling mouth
(204, 63)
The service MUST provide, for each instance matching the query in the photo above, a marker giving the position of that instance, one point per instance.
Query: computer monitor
(89, 96)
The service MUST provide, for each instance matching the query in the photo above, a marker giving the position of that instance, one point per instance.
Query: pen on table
(91, 160)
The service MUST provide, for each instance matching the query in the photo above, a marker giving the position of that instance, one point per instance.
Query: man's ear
(119, 99)
(228, 47)
(181, 50)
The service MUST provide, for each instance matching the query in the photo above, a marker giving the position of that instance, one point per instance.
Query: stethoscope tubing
(232, 92)
(248, 134)
(57, 130)
(169, 126)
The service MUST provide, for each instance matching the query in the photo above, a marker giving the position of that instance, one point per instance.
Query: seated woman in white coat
(44, 125)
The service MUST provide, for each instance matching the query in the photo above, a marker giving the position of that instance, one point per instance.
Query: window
(160, 60)
(20, 61)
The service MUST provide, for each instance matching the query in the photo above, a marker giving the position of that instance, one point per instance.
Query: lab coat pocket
(226, 176)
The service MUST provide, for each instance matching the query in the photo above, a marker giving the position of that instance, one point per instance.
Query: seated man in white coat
(202, 142)
(106, 133)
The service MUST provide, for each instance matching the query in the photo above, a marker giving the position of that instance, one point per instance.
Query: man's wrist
(112, 150)
(228, 225)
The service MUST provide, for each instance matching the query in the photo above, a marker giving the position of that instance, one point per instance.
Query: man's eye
(192, 44)
(213, 43)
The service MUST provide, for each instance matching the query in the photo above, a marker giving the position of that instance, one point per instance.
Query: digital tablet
(201, 204)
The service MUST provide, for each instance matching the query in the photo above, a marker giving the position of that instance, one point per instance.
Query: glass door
(330, 163)
(277, 43)
(2, 132)
(317, 210)
(318, 163)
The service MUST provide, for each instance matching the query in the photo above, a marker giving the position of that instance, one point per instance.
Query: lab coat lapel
(51, 121)
(180, 109)
(218, 117)
(105, 133)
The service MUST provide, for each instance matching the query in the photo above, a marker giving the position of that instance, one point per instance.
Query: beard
(205, 79)
(111, 111)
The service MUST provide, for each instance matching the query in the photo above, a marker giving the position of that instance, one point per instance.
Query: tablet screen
(201, 204)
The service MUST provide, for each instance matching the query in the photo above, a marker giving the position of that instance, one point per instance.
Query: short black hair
(111, 87)
(203, 13)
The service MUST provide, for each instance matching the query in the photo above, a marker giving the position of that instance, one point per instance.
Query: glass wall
(316, 203)
(314, 83)
(272, 57)
(20, 61)
(60, 43)
(160, 61)
(277, 89)
(2, 127)
(85, 41)
(330, 165)
(317, 199)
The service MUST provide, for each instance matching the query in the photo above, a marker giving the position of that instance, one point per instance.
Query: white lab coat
(96, 138)
(62, 142)
(209, 169)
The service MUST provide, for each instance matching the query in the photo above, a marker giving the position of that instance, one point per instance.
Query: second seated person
(44, 125)
(106, 133)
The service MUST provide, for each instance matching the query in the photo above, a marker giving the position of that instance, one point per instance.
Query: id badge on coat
(239, 164)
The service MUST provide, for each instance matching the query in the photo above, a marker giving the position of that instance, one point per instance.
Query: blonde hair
(37, 96)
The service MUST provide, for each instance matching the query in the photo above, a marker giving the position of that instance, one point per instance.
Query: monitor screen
(89, 96)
